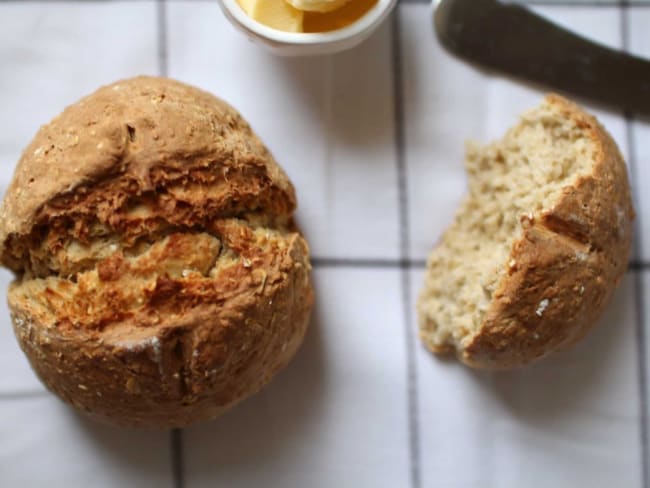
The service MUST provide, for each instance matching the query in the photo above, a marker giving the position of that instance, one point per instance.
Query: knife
(511, 39)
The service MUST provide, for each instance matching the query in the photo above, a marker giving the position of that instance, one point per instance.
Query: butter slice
(277, 14)
(317, 5)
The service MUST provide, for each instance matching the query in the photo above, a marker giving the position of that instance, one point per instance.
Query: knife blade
(513, 40)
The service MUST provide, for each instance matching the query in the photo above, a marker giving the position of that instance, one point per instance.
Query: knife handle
(513, 40)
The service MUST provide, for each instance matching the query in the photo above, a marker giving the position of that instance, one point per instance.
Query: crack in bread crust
(168, 277)
(109, 210)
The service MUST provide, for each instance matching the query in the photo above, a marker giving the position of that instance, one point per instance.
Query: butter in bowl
(307, 27)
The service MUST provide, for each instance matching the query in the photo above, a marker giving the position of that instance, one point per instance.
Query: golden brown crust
(160, 279)
(135, 136)
(568, 263)
(188, 365)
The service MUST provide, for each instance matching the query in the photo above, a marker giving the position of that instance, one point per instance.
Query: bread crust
(174, 178)
(566, 265)
(129, 129)
(188, 367)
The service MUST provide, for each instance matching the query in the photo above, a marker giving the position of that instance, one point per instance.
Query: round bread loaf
(538, 246)
(159, 276)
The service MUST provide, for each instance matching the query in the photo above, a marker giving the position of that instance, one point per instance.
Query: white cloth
(349, 411)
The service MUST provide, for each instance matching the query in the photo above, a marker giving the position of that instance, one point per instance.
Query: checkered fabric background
(373, 140)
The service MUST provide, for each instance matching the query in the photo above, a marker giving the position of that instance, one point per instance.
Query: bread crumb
(621, 217)
(83, 387)
(581, 256)
(542, 307)
(132, 385)
(155, 344)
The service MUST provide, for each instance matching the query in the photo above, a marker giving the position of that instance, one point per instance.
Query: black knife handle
(515, 41)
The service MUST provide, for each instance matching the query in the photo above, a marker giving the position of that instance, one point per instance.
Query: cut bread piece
(538, 245)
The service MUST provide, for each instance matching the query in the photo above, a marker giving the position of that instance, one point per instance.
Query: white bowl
(301, 44)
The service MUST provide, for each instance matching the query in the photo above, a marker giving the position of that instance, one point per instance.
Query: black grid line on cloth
(402, 192)
(639, 291)
(176, 445)
(635, 266)
(362, 263)
(161, 25)
(175, 435)
(80, 1)
(417, 264)
(640, 311)
(23, 395)
(563, 3)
